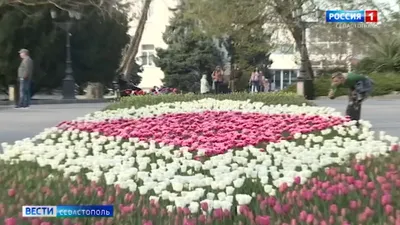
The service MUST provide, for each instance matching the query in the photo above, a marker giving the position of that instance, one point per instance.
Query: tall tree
(240, 24)
(95, 57)
(128, 65)
(104, 6)
(188, 56)
(223, 15)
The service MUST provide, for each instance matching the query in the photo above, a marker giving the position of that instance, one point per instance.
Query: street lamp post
(304, 80)
(68, 86)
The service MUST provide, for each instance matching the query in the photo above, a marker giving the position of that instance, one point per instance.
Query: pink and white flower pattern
(201, 151)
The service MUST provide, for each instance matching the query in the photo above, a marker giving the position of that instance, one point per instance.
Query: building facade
(158, 19)
(327, 48)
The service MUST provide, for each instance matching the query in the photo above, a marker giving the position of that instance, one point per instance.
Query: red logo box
(371, 16)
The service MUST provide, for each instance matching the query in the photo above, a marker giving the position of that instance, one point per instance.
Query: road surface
(17, 124)
(383, 114)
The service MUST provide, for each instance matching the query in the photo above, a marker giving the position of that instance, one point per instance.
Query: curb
(61, 101)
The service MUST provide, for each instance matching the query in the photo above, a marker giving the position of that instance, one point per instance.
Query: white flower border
(227, 172)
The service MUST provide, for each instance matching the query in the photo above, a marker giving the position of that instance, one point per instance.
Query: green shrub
(267, 98)
(384, 84)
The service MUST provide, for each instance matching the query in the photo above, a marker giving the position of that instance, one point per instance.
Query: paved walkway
(383, 114)
(16, 124)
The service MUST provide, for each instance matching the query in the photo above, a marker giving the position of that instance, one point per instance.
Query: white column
(281, 79)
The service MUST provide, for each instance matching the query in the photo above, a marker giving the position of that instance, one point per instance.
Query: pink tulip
(310, 218)
(303, 216)
(333, 209)
(36, 221)
(147, 223)
(218, 213)
(204, 206)
(388, 209)
(12, 192)
(353, 205)
(283, 187)
(202, 218)
(386, 199)
(67, 221)
(196, 127)
(45, 223)
(128, 197)
(323, 222)
(10, 221)
(297, 180)
(262, 220)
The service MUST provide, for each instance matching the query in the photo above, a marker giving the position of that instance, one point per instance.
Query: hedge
(384, 84)
(267, 98)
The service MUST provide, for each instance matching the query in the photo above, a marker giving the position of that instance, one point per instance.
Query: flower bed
(207, 162)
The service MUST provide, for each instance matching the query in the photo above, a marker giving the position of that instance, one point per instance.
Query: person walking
(25, 72)
(265, 84)
(218, 79)
(204, 85)
(254, 81)
(234, 78)
(260, 81)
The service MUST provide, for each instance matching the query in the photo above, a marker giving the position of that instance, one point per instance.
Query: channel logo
(68, 211)
(351, 16)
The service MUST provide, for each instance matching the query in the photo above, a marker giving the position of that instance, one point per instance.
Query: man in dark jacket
(25, 72)
(235, 76)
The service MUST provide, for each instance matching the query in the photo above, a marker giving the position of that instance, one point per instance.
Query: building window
(148, 52)
(286, 49)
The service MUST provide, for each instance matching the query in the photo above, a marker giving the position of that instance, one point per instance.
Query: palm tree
(383, 55)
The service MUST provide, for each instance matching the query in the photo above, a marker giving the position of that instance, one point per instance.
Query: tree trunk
(129, 58)
(297, 35)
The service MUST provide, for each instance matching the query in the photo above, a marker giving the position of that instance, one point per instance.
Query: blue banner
(85, 211)
(345, 16)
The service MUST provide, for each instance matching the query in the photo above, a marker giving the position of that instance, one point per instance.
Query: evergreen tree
(188, 56)
(96, 45)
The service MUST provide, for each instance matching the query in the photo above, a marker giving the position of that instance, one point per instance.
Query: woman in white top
(204, 85)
